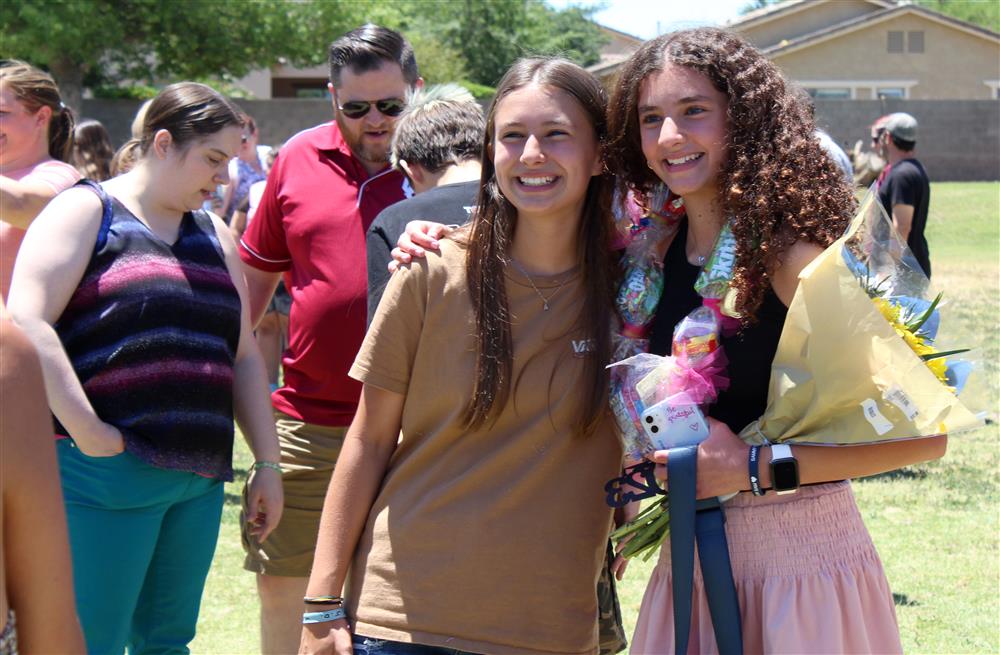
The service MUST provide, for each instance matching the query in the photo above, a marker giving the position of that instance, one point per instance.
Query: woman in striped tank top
(134, 299)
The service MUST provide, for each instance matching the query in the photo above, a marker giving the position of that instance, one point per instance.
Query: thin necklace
(545, 301)
(699, 260)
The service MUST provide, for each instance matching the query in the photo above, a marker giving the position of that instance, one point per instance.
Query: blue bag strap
(682, 473)
(704, 521)
(717, 573)
(106, 213)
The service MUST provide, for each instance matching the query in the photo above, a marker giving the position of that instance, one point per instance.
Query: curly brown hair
(777, 186)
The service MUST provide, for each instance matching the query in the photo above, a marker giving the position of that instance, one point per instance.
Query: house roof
(625, 35)
(607, 66)
(867, 20)
(786, 8)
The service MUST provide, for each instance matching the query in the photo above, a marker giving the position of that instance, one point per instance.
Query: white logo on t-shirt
(582, 346)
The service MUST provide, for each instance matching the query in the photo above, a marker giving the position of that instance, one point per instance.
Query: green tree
(488, 35)
(985, 13)
(147, 40)
(108, 43)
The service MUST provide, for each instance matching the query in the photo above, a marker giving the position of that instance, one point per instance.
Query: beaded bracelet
(322, 600)
(260, 464)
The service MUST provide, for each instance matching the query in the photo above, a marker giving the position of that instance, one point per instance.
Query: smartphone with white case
(672, 426)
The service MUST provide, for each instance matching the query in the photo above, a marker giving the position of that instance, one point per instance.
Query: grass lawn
(935, 525)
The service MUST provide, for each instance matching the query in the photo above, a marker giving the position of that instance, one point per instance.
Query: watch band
(754, 465)
(781, 451)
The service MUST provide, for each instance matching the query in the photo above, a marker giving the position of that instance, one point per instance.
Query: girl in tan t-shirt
(508, 453)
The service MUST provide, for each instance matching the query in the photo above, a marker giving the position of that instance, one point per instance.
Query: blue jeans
(368, 646)
(142, 540)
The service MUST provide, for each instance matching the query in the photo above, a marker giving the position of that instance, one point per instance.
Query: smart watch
(784, 470)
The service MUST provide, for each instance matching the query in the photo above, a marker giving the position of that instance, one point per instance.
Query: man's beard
(355, 141)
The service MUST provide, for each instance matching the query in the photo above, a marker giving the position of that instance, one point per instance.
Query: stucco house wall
(954, 65)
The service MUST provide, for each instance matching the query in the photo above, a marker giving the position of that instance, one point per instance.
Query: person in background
(868, 165)
(36, 142)
(137, 305)
(92, 151)
(126, 156)
(437, 145)
(248, 207)
(246, 169)
(836, 153)
(327, 185)
(826, 142)
(905, 191)
(272, 331)
(35, 571)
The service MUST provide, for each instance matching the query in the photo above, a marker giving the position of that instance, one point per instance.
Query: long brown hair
(35, 89)
(489, 240)
(777, 185)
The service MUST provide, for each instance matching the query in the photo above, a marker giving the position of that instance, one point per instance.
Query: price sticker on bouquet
(902, 401)
(875, 417)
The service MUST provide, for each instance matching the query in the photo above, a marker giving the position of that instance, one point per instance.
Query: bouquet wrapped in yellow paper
(860, 358)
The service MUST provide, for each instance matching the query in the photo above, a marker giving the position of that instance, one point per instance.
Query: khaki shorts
(308, 455)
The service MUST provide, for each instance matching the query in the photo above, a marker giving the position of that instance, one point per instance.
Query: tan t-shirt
(487, 541)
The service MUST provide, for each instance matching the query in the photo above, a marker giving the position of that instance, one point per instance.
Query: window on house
(830, 93)
(915, 41)
(308, 92)
(890, 92)
(895, 41)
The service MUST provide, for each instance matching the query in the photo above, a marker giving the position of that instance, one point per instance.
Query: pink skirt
(807, 577)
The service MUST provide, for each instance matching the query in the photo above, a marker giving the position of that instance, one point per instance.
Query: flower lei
(647, 234)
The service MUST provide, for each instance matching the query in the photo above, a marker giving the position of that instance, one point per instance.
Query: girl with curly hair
(706, 114)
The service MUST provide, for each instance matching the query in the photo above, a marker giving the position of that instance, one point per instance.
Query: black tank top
(749, 351)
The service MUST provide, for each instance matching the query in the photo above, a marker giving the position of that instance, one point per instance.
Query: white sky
(643, 18)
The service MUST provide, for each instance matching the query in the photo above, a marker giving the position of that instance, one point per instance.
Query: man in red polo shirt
(326, 187)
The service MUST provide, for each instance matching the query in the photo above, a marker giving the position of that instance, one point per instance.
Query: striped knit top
(152, 331)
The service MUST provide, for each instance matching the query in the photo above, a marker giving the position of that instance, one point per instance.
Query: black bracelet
(323, 600)
(754, 479)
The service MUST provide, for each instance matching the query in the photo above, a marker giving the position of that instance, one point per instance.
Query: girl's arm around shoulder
(252, 404)
(361, 466)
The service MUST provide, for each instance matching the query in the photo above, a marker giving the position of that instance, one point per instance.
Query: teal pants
(142, 540)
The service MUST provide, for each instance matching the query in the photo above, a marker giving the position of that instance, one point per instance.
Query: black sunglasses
(387, 106)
